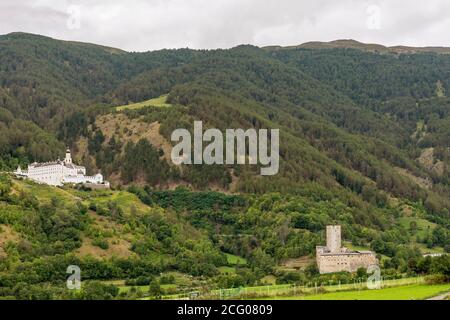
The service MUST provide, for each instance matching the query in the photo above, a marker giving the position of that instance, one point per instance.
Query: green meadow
(155, 102)
(422, 226)
(409, 292)
(233, 259)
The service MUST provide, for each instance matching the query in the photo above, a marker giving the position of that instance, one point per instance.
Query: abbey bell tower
(68, 158)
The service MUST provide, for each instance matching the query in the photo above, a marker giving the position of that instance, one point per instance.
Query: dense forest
(364, 142)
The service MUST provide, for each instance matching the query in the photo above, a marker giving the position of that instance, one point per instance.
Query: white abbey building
(59, 172)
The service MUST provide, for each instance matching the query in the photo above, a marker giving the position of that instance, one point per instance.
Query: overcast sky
(140, 25)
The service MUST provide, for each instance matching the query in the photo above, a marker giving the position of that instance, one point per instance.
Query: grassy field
(409, 292)
(281, 291)
(181, 280)
(423, 226)
(398, 289)
(124, 200)
(232, 259)
(155, 102)
(227, 270)
(43, 192)
(349, 291)
(235, 293)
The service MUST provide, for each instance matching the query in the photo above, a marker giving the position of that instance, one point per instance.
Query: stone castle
(334, 258)
(59, 172)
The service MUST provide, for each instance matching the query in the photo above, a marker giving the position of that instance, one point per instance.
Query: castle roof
(346, 253)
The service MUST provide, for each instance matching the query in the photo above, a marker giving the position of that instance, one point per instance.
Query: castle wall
(349, 262)
(334, 258)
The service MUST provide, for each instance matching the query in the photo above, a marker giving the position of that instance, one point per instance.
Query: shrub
(101, 243)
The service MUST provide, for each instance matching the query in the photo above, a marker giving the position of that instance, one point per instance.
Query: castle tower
(68, 158)
(334, 238)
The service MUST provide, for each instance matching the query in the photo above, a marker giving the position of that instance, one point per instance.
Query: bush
(140, 281)
(98, 291)
(436, 279)
(167, 279)
(101, 243)
(155, 289)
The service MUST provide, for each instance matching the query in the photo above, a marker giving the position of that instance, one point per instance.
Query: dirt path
(440, 297)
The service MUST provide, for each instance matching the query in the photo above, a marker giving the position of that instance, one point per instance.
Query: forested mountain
(342, 111)
(364, 139)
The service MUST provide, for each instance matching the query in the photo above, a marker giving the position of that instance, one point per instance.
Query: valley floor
(397, 289)
(409, 292)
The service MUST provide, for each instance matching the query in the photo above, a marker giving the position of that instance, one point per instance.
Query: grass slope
(155, 102)
(233, 259)
(410, 292)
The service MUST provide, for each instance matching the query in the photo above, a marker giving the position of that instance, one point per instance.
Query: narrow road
(440, 297)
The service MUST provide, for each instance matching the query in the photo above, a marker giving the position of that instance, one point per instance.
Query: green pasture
(233, 259)
(155, 102)
(409, 292)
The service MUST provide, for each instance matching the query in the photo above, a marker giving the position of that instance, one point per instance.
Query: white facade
(59, 172)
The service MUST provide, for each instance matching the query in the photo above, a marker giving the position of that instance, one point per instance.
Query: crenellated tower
(334, 238)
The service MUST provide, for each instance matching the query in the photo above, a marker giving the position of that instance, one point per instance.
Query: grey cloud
(139, 25)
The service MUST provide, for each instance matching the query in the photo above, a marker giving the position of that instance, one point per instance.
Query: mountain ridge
(371, 47)
(31, 36)
(332, 44)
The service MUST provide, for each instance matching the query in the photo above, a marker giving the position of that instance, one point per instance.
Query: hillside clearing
(118, 248)
(7, 234)
(233, 259)
(132, 130)
(423, 227)
(155, 102)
